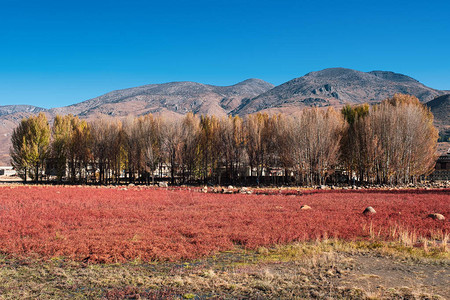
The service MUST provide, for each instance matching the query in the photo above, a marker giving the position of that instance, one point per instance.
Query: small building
(442, 168)
(7, 171)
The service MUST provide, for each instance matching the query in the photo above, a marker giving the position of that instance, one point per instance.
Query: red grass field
(111, 224)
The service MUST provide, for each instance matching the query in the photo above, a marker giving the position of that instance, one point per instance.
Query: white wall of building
(7, 171)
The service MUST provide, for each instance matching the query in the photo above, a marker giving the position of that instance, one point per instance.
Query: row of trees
(393, 142)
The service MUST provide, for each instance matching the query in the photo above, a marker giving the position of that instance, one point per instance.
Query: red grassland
(108, 225)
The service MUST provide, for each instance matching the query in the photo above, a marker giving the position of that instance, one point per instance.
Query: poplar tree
(30, 143)
(392, 142)
(408, 139)
(62, 132)
(20, 150)
(190, 136)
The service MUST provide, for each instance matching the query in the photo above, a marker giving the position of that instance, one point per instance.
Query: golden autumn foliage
(392, 142)
(30, 143)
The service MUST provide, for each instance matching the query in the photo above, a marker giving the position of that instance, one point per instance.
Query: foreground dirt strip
(112, 224)
(317, 270)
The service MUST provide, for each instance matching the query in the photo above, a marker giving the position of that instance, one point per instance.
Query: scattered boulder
(227, 191)
(369, 211)
(436, 216)
(305, 207)
(131, 185)
(163, 184)
(230, 187)
(245, 190)
(205, 189)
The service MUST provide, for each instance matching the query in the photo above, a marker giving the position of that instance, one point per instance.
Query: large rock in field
(369, 211)
(436, 216)
(305, 207)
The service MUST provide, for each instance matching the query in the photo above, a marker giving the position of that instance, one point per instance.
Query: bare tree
(408, 139)
(106, 148)
(319, 138)
(190, 137)
(153, 144)
(231, 143)
(393, 142)
(172, 145)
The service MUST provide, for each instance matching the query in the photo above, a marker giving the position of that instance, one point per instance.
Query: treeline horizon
(393, 142)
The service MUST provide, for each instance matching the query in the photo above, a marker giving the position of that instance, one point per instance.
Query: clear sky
(56, 53)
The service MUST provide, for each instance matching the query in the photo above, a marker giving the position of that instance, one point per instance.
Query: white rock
(369, 211)
(436, 216)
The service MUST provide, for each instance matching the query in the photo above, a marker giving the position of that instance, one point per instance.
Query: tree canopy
(392, 142)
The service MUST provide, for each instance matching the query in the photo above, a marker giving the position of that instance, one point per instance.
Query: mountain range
(337, 87)
(330, 87)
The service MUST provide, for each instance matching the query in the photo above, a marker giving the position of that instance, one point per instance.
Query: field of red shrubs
(115, 224)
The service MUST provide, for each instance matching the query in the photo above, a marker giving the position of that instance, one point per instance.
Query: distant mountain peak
(354, 74)
(178, 97)
(11, 109)
(254, 81)
(338, 71)
(336, 87)
(392, 76)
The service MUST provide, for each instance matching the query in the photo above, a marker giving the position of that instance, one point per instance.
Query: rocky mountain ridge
(12, 109)
(174, 97)
(336, 87)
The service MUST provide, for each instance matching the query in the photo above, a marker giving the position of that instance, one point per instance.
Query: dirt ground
(10, 179)
(380, 275)
(299, 271)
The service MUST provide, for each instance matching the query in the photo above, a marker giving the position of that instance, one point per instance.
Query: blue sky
(56, 53)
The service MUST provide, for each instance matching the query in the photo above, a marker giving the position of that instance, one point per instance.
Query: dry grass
(295, 271)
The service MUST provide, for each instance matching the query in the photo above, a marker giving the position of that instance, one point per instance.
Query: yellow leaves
(397, 138)
(403, 99)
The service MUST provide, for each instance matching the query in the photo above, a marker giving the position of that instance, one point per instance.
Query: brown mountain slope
(169, 99)
(440, 107)
(11, 109)
(175, 97)
(336, 87)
